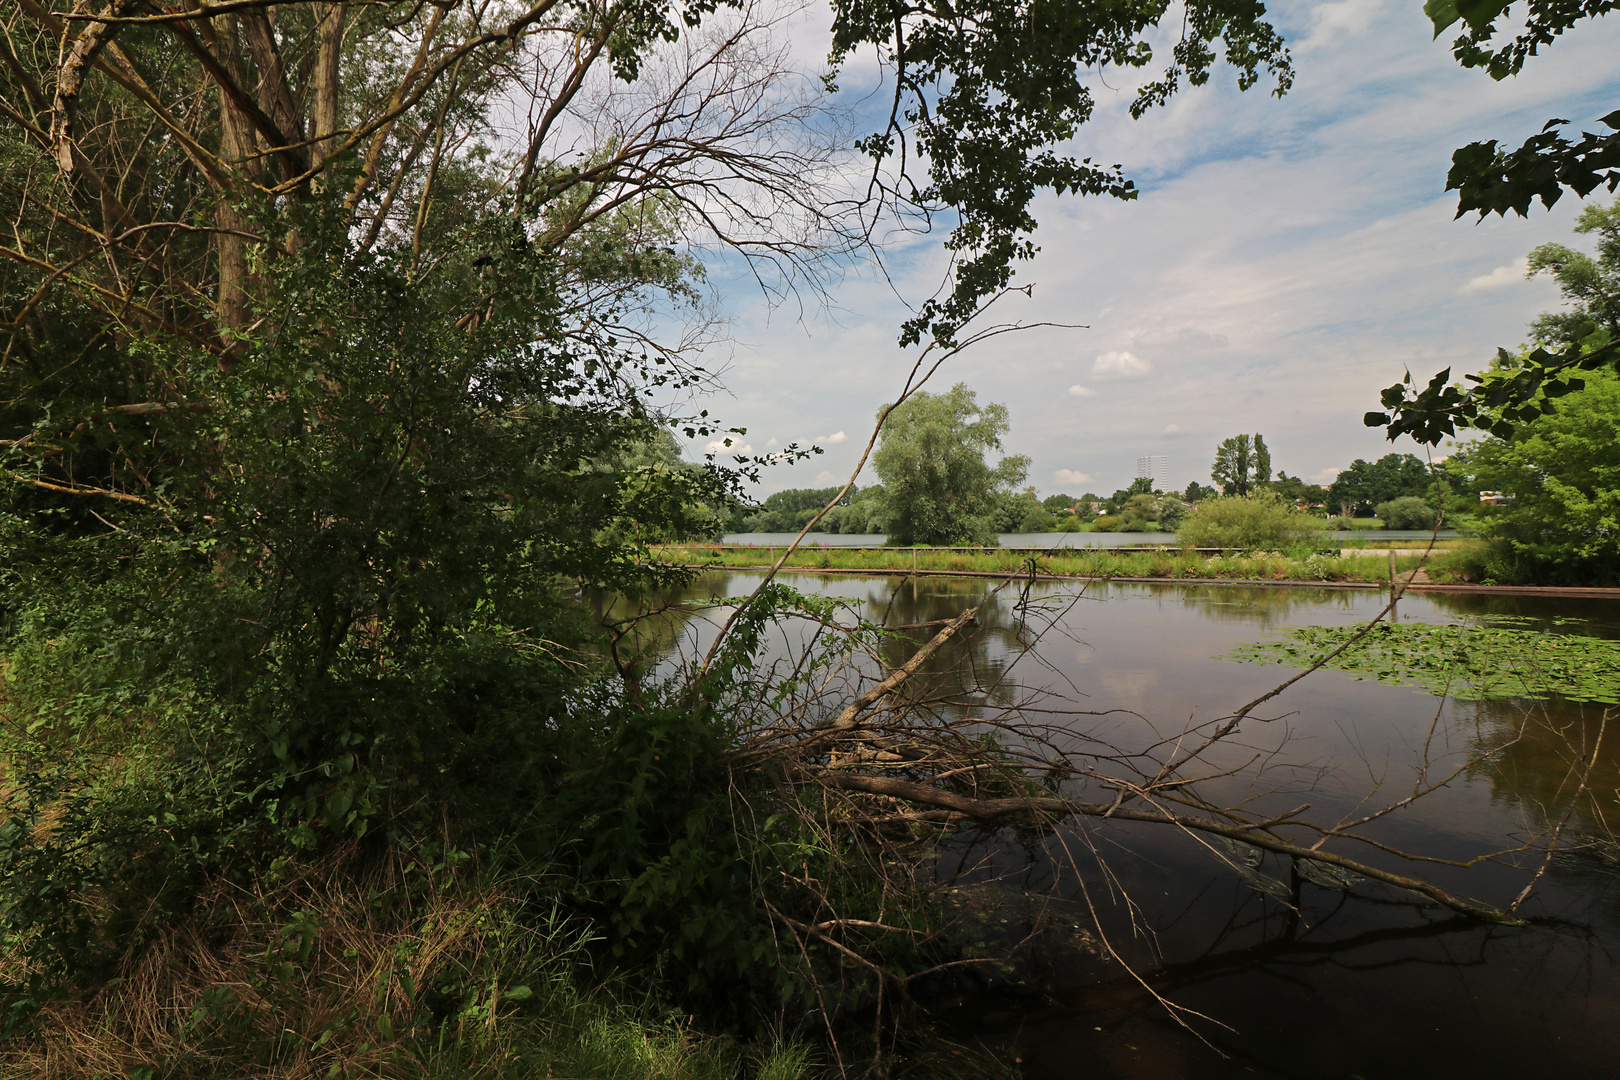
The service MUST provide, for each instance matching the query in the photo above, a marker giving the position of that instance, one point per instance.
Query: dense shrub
(1258, 521)
(1407, 512)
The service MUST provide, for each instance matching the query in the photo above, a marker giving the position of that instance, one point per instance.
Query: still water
(1368, 983)
(1048, 540)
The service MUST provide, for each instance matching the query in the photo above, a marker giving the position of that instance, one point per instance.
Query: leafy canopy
(938, 486)
(1241, 464)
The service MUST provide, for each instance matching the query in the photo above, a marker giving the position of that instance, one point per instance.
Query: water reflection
(1370, 983)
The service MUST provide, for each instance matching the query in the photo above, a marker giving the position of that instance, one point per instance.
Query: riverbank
(1346, 566)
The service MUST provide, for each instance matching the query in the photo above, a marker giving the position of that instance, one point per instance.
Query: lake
(1369, 983)
(1047, 540)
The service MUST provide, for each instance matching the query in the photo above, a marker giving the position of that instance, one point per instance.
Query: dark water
(1370, 983)
(1047, 540)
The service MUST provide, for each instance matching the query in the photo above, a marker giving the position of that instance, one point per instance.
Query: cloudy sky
(1286, 260)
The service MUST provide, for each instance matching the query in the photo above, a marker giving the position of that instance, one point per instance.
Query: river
(1369, 983)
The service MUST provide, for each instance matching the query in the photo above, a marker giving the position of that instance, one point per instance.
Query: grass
(336, 970)
(1170, 564)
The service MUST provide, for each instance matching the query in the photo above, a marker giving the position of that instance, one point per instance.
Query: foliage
(1407, 512)
(1516, 390)
(1241, 464)
(937, 486)
(788, 510)
(1561, 474)
(987, 91)
(1365, 484)
(1196, 492)
(1591, 287)
(1296, 489)
(1022, 512)
(1261, 521)
(1059, 504)
(1138, 513)
(1466, 662)
(1495, 181)
(1171, 512)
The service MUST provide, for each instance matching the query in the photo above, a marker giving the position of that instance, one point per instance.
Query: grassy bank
(1447, 566)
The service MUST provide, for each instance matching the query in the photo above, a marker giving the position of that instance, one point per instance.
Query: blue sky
(1286, 260)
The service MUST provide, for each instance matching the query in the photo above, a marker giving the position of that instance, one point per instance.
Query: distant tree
(1196, 491)
(1241, 463)
(1142, 485)
(1366, 484)
(1022, 512)
(1138, 513)
(938, 487)
(1057, 504)
(785, 510)
(1171, 512)
(1297, 490)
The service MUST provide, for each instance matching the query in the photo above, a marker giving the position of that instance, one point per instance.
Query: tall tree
(1241, 462)
(938, 486)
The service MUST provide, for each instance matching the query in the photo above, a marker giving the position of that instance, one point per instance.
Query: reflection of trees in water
(1540, 756)
(1257, 606)
(972, 670)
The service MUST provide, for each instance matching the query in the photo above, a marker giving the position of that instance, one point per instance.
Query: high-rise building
(1155, 468)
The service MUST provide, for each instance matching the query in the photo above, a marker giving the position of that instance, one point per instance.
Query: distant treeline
(788, 511)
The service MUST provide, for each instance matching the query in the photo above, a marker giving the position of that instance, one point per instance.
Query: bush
(1407, 512)
(1257, 521)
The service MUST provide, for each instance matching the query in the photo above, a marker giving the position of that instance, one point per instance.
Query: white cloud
(1172, 429)
(1325, 476)
(1071, 476)
(1500, 278)
(1120, 365)
(825, 477)
(832, 440)
(772, 444)
(727, 446)
(1081, 391)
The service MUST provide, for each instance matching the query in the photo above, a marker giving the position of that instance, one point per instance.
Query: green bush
(1258, 521)
(1407, 512)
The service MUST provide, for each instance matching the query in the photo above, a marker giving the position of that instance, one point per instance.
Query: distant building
(1155, 468)
(1492, 498)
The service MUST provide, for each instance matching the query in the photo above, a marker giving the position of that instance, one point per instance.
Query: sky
(1286, 260)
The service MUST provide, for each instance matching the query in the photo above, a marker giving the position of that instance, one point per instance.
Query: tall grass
(398, 970)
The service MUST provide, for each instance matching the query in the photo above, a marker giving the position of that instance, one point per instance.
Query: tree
(1241, 464)
(1591, 287)
(1292, 487)
(1561, 474)
(1366, 484)
(937, 486)
(1059, 504)
(1196, 491)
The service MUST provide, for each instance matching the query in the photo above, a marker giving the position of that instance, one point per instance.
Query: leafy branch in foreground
(1516, 390)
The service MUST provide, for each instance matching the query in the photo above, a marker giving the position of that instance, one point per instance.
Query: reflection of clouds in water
(1127, 684)
(1084, 656)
